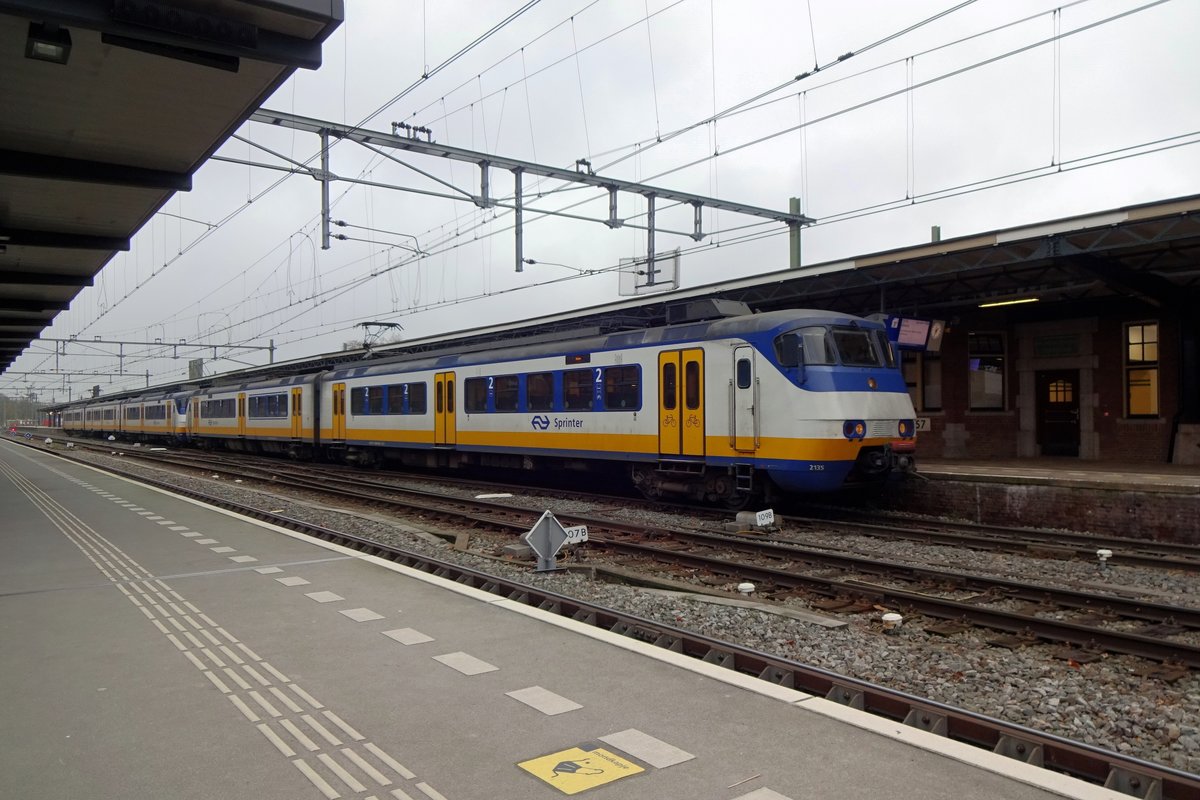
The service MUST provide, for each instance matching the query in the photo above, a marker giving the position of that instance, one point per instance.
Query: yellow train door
(339, 411)
(445, 425)
(681, 402)
(241, 413)
(295, 408)
(669, 429)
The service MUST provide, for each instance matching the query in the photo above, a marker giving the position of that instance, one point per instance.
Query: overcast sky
(908, 134)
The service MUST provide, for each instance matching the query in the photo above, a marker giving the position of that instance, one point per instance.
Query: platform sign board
(547, 537)
(576, 770)
(912, 333)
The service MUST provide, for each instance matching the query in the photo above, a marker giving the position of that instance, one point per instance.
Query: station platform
(1069, 472)
(154, 646)
(1159, 502)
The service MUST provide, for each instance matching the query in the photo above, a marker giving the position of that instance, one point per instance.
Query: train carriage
(275, 416)
(716, 410)
(164, 416)
(811, 400)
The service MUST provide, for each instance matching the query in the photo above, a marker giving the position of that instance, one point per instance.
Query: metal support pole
(271, 352)
(698, 235)
(613, 221)
(650, 270)
(121, 358)
(147, 379)
(485, 193)
(794, 234)
(324, 188)
(520, 214)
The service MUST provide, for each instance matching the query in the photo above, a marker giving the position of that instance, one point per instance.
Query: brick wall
(957, 432)
(1138, 515)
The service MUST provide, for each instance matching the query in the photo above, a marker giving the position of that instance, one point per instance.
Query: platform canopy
(109, 108)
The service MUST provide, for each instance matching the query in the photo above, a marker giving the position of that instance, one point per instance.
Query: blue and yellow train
(800, 400)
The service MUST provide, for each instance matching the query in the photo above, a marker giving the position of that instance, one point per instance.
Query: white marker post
(547, 537)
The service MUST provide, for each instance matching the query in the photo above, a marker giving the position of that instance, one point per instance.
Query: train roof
(746, 325)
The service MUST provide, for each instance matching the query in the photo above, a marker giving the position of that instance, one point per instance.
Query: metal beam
(351, 133)
(44, 279)
(229, 37)
(1154, 289)
(10, 304)
(36, 165)
(68, 241)
(159, 343)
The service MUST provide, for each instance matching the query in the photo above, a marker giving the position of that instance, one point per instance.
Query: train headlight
(906, 428)
(854, 429)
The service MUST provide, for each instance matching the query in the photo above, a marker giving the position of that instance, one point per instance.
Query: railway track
(1117, 771)
(1035, 543)
(1026, 541)
(780, 569)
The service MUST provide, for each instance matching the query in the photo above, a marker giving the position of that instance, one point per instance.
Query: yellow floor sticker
(575, 770)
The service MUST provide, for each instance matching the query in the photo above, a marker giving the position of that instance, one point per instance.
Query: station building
(1075, 337)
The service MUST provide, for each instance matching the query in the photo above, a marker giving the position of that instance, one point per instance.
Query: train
(717, 410)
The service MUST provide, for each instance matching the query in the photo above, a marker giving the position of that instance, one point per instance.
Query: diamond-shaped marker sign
(547, 537)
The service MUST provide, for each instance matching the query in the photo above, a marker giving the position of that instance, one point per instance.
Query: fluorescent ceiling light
(1009, 302)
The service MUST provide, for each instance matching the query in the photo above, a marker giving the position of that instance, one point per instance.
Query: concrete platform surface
(154, 647)
(1069, 472)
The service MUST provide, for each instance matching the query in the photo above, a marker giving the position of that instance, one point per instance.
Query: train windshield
(818, 345)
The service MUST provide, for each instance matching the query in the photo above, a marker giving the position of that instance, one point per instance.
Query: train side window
(375, 400)
(539, 391)
(787, 349)
(885, 347)
(577, 390)
(743, 373)
(396, 393)
(691, 385)
(439, 406)
(358, 400)
(623, 388)
(416, 398)
(670, 389)
(506, 395)
(475, 392)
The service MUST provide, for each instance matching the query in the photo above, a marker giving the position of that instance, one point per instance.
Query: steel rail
(1020, 538)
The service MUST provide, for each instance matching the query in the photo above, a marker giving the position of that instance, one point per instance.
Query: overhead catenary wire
(749, 144)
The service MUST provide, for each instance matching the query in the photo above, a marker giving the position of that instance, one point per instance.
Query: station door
(1058, 412)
